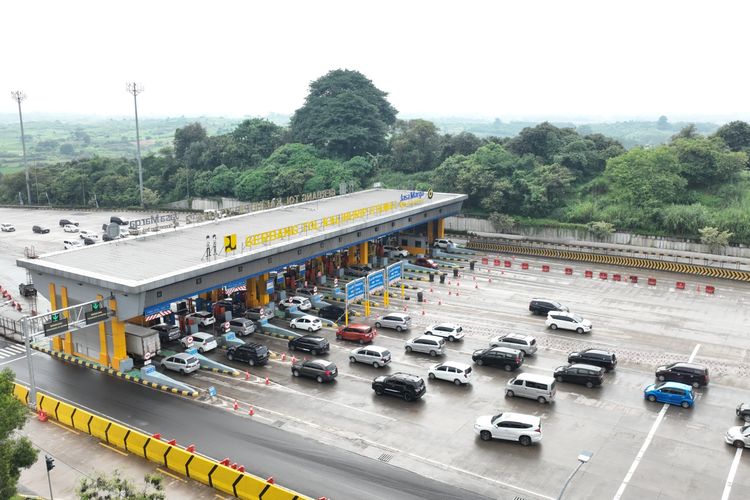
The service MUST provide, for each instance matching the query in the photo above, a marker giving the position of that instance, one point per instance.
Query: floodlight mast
(19, 96)
(135, 89)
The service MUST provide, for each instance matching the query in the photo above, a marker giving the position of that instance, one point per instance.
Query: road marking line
(695, 351)
(732, 472)
(64, 427)
(170, 474)
(16, 359)
(16, 348)
(113, 449)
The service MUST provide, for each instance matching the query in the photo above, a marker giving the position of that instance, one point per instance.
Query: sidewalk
(78, 455)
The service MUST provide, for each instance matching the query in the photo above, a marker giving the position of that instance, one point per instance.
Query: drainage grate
(385, 457)
(519, 498)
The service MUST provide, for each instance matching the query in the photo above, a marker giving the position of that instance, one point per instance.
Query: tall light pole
(583, 457)
(136, 89)
(19, 96)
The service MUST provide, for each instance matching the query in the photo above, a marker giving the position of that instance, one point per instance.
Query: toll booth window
(418, 243)
(404, 243)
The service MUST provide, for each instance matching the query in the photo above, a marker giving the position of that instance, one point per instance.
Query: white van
(527, 385)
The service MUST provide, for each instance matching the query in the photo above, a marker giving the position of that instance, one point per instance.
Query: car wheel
(379, 390)
(589, 384)
(431, 376)
(292, 347)
(480, 362)
(746, 418)
(319, 379)
(541, 399)
(696, 385)
(739, 444)
(559, 378)
(251, 362)
(524, 440)
(182, 372)
(399, 329)
(452, 338)
(352, 359)
(485, 435)
(377, 324)
(579, 330)
(295, 373)
(309, 329)
(661, 378)
(314, 352)
(294, 326)
(652, 398)
(509, 394)
(457, 382)
(408, 396)
(433, 353)
(507, 368)
(685, 404)
(408, 349)
(606, 370)
(200, 350)
(338, 337)
(553, 326)
(375, 364)
(230, 357)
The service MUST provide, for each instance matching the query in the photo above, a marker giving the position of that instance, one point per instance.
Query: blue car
(673, 393)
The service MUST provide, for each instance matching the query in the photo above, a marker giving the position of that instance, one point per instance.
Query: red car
(423, 262)
(357, 333)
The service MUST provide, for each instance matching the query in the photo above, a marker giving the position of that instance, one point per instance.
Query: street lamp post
(583, 457)
(136, 89)
(19, 96)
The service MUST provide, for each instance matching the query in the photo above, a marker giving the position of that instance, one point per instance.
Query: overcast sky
(605, 58)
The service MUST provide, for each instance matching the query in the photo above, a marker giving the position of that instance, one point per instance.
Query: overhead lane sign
(355, 289)
(375, 281)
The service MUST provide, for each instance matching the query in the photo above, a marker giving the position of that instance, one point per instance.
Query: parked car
(203, 341)
(687, 373)
(544, 306)
(568, 321)
(241, 326)
(525, 429)
(452, 371)
(70, 228)
(529, 385)
(739, 436)
(333, 313)
(181, 362)
(68, 222)
(302, 303)
(308, 292)
(596, 357)
(673, 393)
(85, 233)
(508, 359)
(40, 229)
(252, 354)
(306, 322)
(424, 262)
(167, 333)
(448, 331)
(395, 320)
(394, 252)
(356, 332)
(743, 411)
(525, 343)
(117, 220)
(372, 355)
(402, 385)
(311, 343)
(577, 373)
(203, 318)
(357, 270)
(72, 244)
(443, 244)
(320, 369)
(428, 344)
(7, 228)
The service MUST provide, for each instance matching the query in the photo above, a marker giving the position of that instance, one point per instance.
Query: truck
(141, 343)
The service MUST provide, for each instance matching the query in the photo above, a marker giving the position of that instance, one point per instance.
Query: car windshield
(496, 417)
(576, 318)
(659, 385)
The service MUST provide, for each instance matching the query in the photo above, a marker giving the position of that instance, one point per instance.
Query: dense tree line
(347, 131)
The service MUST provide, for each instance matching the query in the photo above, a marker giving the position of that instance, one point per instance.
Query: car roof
(685, 364)
(509, 350)
(182, 355)
(535, 378)
(375, 348)
(516, 336)
(596, 351)
(406, 376)
(312, 337)
(428, 337)
(358, 325)
(307, 316)
(319, 362)
(449, 325)
(586, 367)
(520, 417)
(398, 314)
(454, 364)
(201, 335)
(675, 385)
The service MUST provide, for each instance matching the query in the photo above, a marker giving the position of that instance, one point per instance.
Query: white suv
(443, 244)
(396, 321)
(302, 303)
(203, 341)
(525, 429)
(393, 252)
(567, 321)
(525, 343)
(447, 331)
(428, 344)
(458, 373)
(203, 318)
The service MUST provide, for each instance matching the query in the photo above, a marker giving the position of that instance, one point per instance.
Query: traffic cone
(247, 375)
(450, 293)
(404, 308)
(440, 303)
(283, 356)
(489, 280)
(476, 286)
(458, 283)
(251, 412)
(270, 480)
(268, 382)
(430, 289)
(294, 359)
(457, 293)
(235, 405)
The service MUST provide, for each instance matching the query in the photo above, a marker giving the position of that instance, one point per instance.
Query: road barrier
(652, 282)
(185, 461)
(680, 285)
(602, 276)
(545, 268)
(524, 265)
(588, 274)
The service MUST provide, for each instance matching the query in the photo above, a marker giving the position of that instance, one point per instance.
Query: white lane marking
(647, 442)
(16, 348)
(16, 359)
(732, 472)
(3, 355)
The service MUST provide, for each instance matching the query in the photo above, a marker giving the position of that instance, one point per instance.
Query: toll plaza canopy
(159, 268)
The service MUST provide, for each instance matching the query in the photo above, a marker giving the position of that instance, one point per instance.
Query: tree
(345, 115)
(707, 161)
(543, 141)
(16, 453)
(600, 229)
(415, 146)
(714, 237)
(255, 140)
(736, 135)
(187, 135)
(663, 123)
(502, 223)
(464, 143)
(687, 132)
(103, 487)
(67, 149)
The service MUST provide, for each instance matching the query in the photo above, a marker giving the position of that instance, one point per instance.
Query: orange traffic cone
(268, 382)
(251, 412)
(235, 405)
(247, 375)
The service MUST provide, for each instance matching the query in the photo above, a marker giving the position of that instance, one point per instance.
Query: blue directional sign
(269, 286)
(355, 289)
(375, 281)
(212, 391)
(395, 272)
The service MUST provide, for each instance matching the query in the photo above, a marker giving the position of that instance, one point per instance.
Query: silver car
(396, 321)
(525, 343)
(428, 344)
(181, 362)
(371, 355)
(739, 436)
(242, 326)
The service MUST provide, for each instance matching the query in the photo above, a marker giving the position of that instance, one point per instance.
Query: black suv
(65, 222)
(543, 306)
(506, 358)
(596, 357)
(334, 313)
(402, 385)
(40, 229)
(252, 354)
(167, 333)
(743, 411)
(311, 343)
(588, 375)
(686, 373)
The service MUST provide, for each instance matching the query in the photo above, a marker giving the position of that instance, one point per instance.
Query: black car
(686, 373)
(402, 385)
(743, 411)
(311, 343)
(116, 220)
(40, 229)
(577, 373)
(543, 306)
(65, 222)
(319, 369)
(509, 359)
(333, 313)
(167, 333)
(596, 357)
(252, 354)
(106, 237)
(89, 241)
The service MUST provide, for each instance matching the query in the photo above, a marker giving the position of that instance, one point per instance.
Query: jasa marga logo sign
(412, 198)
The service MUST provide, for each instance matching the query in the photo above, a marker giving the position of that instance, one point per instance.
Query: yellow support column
(68, 342)
(351, 256)
(248, 293)
(103, 353)
(440, 228)
(118, 338)
(57, 343)
(214, 295)
(264, 298)
(430, 236)
(252, 291)
(363, 251)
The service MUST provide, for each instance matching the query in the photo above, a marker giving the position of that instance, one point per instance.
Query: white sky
(604, 58)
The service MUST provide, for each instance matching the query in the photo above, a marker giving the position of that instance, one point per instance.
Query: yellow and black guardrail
(637, 262)
(202, 469)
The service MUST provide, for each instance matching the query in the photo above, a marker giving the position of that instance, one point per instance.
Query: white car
(428, 344)
(203, 341)
(306, 322)
(448, 331)
(525, 343)
(371, 355)
(70, 228)
(739, 436)
(88, 234)
(443, 244)
(525, 429)
(203, 318)
(452, 371)
(6, 228)
(567, 321)
(393, 251)
(72, 244)
(181, 362)
(302, 303)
